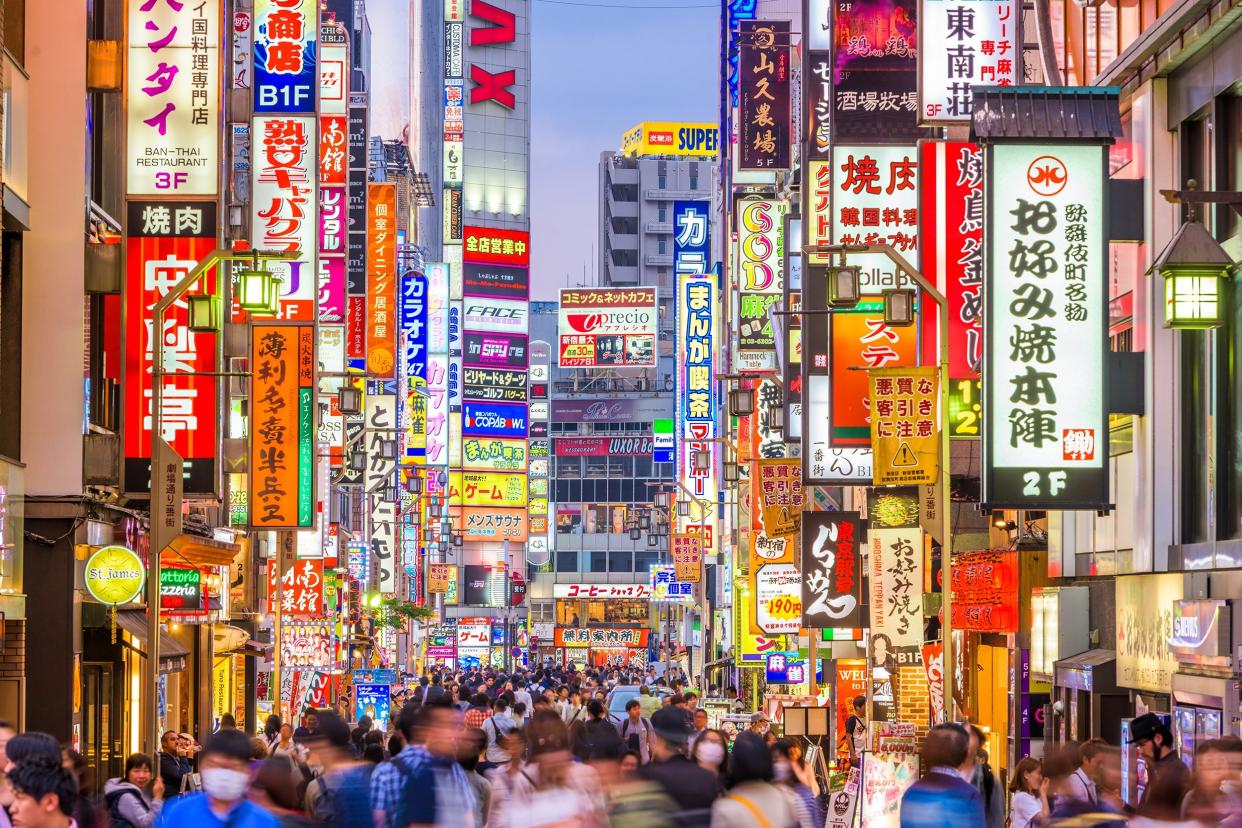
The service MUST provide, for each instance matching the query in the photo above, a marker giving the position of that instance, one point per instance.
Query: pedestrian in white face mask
(225, 769)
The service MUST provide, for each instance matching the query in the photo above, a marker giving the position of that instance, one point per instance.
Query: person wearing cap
(1168, 778)
(691, 786)
(758, 723)
(341, 795)
(225, 768)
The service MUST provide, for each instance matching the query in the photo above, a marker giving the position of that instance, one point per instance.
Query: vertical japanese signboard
(763, 109)
(333, 170)
(166, 241)
(875, 83)
(876, 201)
(896, 584)
(832, 570)
(978, 43)
(285, 72)
(283, 198)
(1045, 438)
(696, 311)
(817, 120)
(379, 480)
(951, 227)
(172, 99)
(686, 550)
(282, 426)
(778, 496)
(905, 418)
(761, 266)
(300, 591)
(381, 279)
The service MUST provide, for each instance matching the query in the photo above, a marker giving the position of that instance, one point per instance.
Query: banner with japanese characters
(951, 228)
(476, 523)
(778, 495)
(764, 103)
(832, 584)
(284, 192)
(761, 280)
(601, 637)
(905, 425)
(980, 44)
(300, 592)
(876, 201)
(875, 82)
(166, 240)
(379, 481)
(1045, 437)
(282, 425)
(286, 72)
(895, 568)
(382, 320)
(172, 99)
(778, 598)
(862, 339)
(985, 590)
(697, 314)
(686, 550)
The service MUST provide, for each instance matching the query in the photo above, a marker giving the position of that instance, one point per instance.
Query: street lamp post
(160, 500)
(946, 542)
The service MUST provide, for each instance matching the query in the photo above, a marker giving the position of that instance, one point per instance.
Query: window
(662, 214)
(15, 29)
(662, 182)
(662, 245)
(694, 180)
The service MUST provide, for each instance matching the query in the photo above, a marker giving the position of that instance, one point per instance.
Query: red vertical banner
(166, 240)
(951, 226)
(381, 321)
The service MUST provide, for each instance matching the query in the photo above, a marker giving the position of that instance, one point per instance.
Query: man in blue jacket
(944, 796)
(225, 770)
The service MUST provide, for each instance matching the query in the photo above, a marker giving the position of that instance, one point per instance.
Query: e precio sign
(607, 327)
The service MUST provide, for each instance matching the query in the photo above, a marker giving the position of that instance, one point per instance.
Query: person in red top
(479, 712)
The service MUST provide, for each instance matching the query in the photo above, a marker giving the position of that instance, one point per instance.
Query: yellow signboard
(115, 575)
(905, 425)
(694, 140)
(487, 489)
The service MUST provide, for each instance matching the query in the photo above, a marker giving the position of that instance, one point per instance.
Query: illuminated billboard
(694, 140)
(607, 327)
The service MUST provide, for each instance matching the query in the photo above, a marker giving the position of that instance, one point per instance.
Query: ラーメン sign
(1045, 438)
(607, 327)
(114, 575)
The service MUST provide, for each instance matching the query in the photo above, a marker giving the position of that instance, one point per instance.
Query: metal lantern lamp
(635, 533)
(358, 460)
(730, 471)
(844, 286)
(206, 312)
(644, 520)
(776, 418)
(1195, 269)
(899, 308)
(653, 540)
(683, 508)
(255, 289)
(702, 461)
(416, 485)
(349, 400)
(457, 540)
(741, 402)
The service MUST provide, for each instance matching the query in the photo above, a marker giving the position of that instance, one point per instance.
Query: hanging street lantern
(1195, 269)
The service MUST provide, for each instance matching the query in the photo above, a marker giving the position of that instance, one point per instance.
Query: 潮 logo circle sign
(1047, 175)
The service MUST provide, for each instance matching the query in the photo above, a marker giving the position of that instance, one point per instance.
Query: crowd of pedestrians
(549, 749)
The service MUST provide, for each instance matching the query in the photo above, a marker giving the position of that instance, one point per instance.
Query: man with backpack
(635, 730)
(423, 784)
(340, 797)
(495, 728)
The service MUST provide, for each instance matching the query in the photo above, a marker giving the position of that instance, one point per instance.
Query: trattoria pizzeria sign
(1046, 439)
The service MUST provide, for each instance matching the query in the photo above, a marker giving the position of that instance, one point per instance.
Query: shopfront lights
(255, 289)
(741, 402)
(1195, 269)
(844, 287)
(206, 312)
(899, 308)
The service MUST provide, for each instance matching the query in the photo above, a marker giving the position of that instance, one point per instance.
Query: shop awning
(173, 654)
(196, 550)
(1094, 671)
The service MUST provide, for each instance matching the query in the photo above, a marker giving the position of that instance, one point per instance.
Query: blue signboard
(378, 676)
(413, 311)
(784, 668)
(486, 419)
(286, 69)
(374, 700)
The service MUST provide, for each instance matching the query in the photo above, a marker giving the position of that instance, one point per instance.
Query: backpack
(345, 798)
(113, 800)
(407, 776)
